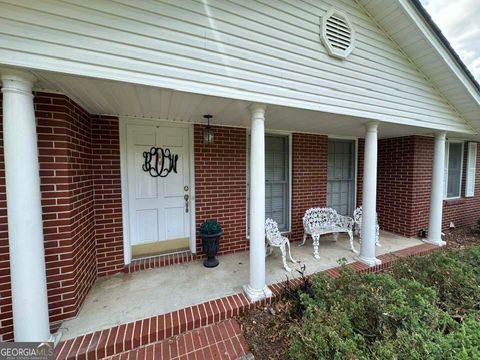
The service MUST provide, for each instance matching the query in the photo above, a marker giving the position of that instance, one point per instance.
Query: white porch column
(436, 196)
(25, 230)
(367, 251)
(257, 288)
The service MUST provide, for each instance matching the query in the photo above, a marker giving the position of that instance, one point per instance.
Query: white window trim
(290, 152)
(445, 180)
(470, 179)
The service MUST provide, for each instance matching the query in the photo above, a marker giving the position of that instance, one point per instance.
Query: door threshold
(158, 261)
(160, 248)
(170, 252)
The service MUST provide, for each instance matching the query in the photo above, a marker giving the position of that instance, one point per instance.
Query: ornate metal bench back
(357, 215)
(272, 233)
(321, 218)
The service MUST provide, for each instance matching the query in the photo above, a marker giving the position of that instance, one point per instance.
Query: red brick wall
(221, 182)
(64, 134)
(79, 159)
(309, 177)
(107, 194)
(395, 184)
(421, 175)
(82, 208)
(221, 185)
(80, 183)
(404, 183)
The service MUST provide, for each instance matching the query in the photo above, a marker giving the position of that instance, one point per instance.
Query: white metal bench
(357, 217)
(320, 221)
(275, 239)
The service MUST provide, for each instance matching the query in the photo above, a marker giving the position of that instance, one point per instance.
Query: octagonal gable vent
(337, 34)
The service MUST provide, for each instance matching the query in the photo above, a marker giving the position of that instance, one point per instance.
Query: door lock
(186, 197)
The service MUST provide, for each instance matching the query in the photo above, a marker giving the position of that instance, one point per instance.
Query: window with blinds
(277, 180)
(453, 169)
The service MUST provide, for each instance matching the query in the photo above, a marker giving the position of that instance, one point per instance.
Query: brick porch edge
(223, 340)
(121, 338)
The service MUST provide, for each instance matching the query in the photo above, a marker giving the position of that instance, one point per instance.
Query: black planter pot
(210, 247)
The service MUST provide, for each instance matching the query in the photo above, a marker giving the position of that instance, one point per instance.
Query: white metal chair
(275, 239)
(357, 217)
(319, 221)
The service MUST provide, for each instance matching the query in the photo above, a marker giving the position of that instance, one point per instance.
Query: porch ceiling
(105, 97)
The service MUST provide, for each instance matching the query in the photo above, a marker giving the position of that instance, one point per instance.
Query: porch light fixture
(208, 131)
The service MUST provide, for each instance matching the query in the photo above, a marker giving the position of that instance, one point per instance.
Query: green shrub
(455, 276)
(210, 227)
(394, 316)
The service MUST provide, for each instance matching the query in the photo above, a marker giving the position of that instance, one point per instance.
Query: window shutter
(471, 169)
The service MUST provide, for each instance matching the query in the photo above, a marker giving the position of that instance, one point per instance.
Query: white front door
(158, 210)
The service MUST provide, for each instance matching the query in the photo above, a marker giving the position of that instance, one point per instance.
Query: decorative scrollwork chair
(357, 217)
(275, 239)
(320, 221)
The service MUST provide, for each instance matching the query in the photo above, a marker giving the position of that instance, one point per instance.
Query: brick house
(328, 104)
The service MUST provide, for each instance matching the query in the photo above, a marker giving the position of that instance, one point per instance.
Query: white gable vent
(337, 34)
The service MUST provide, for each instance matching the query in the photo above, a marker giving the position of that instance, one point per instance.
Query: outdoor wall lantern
(208, 131)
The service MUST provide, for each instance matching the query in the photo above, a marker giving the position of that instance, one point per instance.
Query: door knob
(186, 197)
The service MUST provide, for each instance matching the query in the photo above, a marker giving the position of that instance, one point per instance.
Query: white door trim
(123, 122)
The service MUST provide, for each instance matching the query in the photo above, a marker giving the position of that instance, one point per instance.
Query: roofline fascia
(435, 37)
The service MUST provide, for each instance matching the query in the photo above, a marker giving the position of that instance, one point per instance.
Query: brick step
(125, 337)
(129, 336)
(162, 260)
(223, 340)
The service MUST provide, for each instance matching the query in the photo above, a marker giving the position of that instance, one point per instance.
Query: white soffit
(406, 26)
(106, 97)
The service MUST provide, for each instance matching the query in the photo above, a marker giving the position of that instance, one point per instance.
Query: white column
(25, 230)
(367, 251)
(257, 288)
(436, 196)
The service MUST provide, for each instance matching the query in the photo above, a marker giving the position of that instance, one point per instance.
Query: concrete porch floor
(127, 297)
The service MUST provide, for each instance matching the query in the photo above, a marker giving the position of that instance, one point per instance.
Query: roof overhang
(409, 25)
(127, 100)
(442, 45)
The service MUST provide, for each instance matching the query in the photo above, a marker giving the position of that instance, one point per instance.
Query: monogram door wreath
(159, 162)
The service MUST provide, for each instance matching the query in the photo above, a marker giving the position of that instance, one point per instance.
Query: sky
(459, 21)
